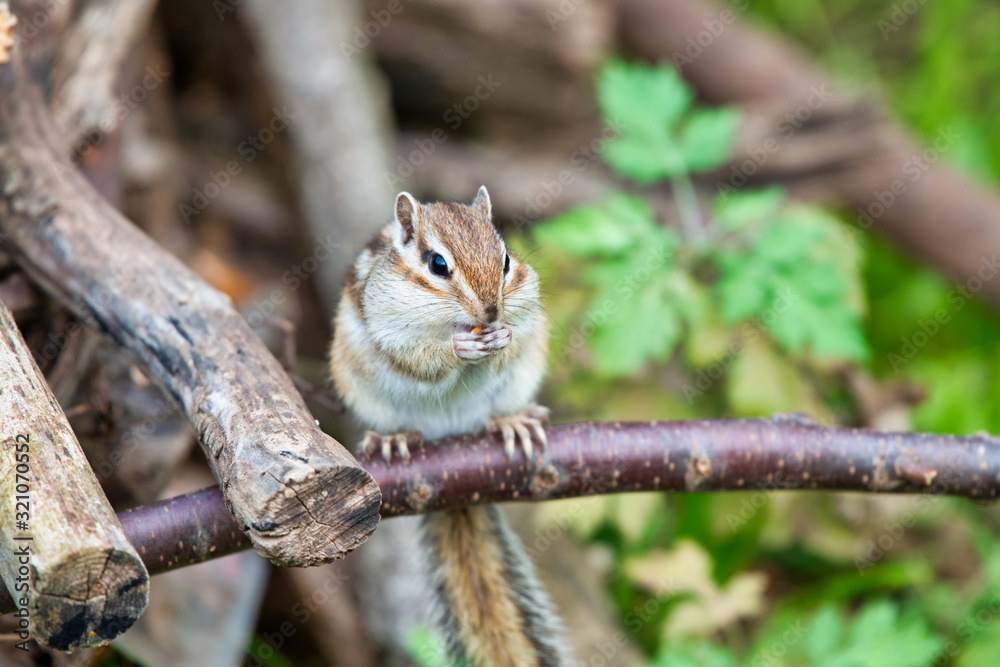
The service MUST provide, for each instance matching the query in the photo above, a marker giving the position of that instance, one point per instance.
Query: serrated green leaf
(743, 288)
(878, 635)
(707, 138)
(643, 158)
(748, 207)
(600, 230)
(643, 326)
(585, 231)
(644, 100)
(781, 268)
(650, 105)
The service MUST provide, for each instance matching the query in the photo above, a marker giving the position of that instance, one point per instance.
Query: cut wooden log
(74, 574)
(301, 497)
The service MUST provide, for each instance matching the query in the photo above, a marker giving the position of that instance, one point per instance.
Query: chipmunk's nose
(490, 313)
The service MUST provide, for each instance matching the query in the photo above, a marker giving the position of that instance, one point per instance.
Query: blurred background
(822, 240)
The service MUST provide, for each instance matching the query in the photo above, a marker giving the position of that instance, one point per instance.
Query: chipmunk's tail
(491, 608)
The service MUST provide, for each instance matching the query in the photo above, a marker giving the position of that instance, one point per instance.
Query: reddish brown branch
(593, 458)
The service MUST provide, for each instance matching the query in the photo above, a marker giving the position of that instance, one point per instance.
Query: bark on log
(303, 499)
(63, 554)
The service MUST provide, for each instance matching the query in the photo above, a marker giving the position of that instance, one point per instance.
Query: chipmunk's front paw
(374, 443)
(476, 345)
(524, 427)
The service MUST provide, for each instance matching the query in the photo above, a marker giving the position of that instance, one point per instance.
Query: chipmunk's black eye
(439, 266)
(506, 264)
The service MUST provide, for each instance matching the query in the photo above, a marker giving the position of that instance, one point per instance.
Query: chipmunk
(440, 330)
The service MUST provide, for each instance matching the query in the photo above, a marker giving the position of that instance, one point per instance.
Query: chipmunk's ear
(406, 215)
(482, 201)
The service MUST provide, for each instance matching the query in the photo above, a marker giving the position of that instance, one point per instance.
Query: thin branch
(590, 458)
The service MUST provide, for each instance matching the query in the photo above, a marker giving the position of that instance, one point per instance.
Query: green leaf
(661, 135)
(824, 634)
(643, 158)
(707, 138)
(690, 654)
(600, 230)
(644, 100)
(643, 325)
(748, 207)
(786, 267)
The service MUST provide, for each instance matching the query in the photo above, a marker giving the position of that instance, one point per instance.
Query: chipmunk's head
(454, 257)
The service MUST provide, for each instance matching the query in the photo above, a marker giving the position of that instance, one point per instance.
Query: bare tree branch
(589, 458)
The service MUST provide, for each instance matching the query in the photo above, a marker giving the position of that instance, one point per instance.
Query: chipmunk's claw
(524, 427)
(486, 342)
(376, 443)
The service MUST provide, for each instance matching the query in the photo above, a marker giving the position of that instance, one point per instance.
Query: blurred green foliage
(656, 322)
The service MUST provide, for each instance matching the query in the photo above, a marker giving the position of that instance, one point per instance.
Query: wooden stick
(759, 455)
(63, 554)
(302, 498)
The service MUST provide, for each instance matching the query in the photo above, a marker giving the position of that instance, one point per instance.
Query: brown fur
(478, 590)
(482, 257)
